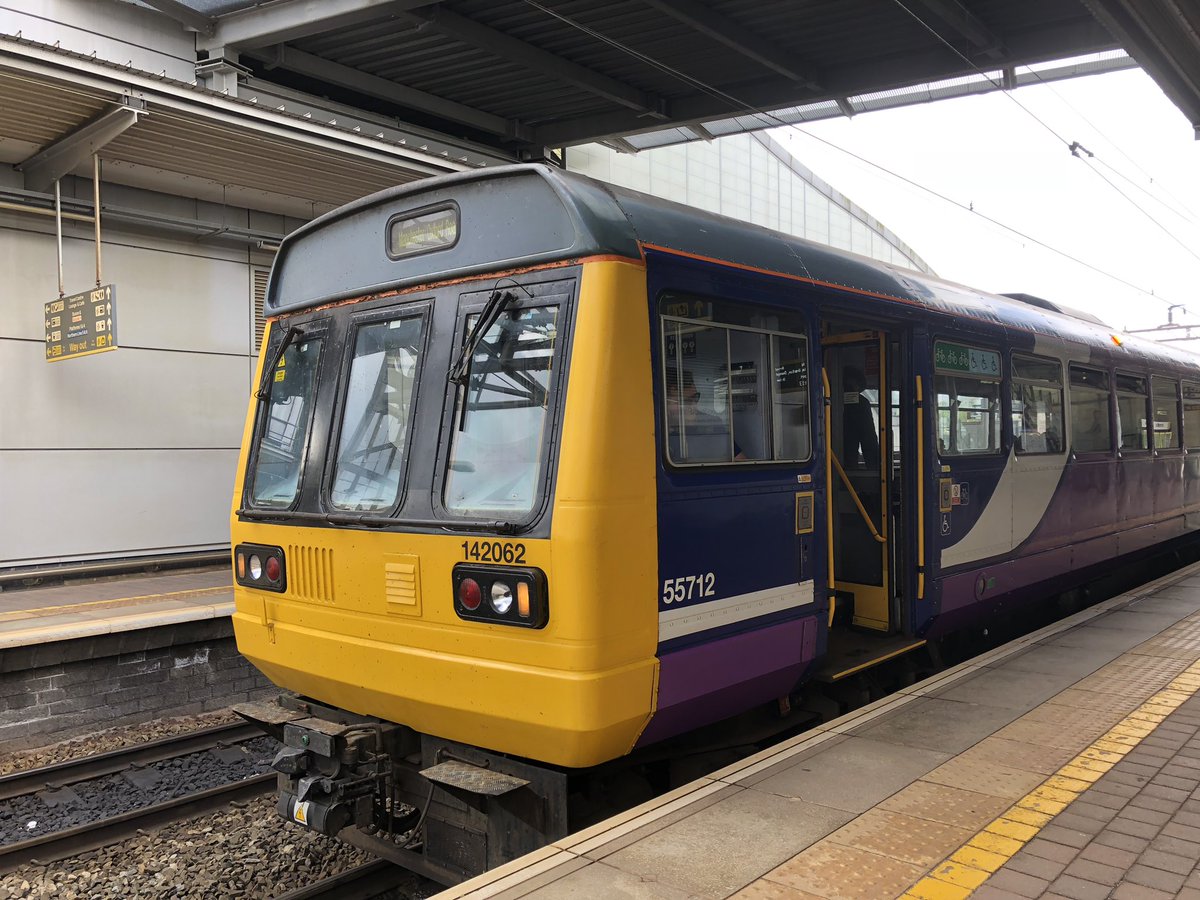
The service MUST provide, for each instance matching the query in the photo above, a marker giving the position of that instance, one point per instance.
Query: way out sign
(82, 324)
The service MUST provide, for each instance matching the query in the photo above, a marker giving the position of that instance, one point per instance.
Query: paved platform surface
(45, 614)
(1064, 764)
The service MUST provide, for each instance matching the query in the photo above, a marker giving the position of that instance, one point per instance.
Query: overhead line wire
(774, 120)
(1187, 215)
(1073, 146)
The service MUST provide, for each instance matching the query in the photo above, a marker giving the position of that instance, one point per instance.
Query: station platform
(1063, 764)
(40, 615)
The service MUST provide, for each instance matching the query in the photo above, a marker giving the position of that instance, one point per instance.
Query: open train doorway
(865, 372)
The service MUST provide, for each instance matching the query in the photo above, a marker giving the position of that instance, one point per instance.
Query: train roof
(514, 217)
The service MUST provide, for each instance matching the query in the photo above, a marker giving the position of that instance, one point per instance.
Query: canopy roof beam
(184, 14)
(61, 157)
(965, 24)
(289, 20)
(506, 47)
(294, 60)
(738, 38)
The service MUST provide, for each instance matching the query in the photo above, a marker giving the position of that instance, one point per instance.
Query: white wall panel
(118, 32)
(123, 398)
(165, 299)
(66, 504)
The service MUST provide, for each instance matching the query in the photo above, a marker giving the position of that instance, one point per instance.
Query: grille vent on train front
(310, 573)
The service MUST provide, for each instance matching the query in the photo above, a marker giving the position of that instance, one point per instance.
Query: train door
(859, 442)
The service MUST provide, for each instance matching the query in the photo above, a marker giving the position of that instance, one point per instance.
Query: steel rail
(61, 845)
(363, 882)
(74, 771)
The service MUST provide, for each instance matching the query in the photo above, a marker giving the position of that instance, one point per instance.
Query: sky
(989, 153)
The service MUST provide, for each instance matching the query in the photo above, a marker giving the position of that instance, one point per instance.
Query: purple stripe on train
(712, 681)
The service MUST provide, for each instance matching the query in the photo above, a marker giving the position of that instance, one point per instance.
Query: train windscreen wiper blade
(487, 317)
(264, 387)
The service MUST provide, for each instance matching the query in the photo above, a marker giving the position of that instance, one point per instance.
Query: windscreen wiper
(264, 387)
(496, 303)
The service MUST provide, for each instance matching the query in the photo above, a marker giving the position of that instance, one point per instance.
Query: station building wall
(129, 452)
(754, 178)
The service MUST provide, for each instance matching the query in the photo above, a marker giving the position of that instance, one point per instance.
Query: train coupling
(333, 772)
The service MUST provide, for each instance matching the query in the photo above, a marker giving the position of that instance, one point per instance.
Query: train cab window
(284, 432)
(967, 383)
(1132, 396)
(501, 414)
(1037, 405)
(376, 414)
(1166, 413)
(1091, 422)
(1191, 415)
(735, 383)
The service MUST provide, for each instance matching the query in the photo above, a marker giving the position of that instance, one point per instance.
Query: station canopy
(520, 76)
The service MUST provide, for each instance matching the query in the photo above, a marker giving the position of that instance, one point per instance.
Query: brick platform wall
(49, 692)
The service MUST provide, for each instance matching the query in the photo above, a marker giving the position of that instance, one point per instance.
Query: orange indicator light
(241, 565)
(523, 600)
(1116, 340)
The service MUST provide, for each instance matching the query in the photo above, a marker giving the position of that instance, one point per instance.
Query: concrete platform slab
(935, 723)
(834, 778)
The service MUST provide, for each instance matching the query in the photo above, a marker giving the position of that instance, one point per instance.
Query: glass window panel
(793, 434)
(1037, 405)
(1029, 369)
(697, 393)
(968, 415)
(374, 432)
(1166, 413)
(736, 388)
(1191, 415)
(1091, 422)
(500, 416)
(279, 460)
(749, 390)
(1132, 424)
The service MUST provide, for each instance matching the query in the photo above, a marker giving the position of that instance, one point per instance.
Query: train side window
(1037, 405)
(1191, 415)
(1132, 396)
(968, 415)
(735, 382)
(1166, 413)
(1091, 422)
(967, 386)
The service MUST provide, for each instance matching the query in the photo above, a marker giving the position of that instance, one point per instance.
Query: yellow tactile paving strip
(976, 811)
(1000, 839)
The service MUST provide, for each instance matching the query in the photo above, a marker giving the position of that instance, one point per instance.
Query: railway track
(71, 841)
(94, 835)
(73, 771)
(363, 882)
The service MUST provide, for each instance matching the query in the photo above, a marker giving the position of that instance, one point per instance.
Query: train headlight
(260, 567)
(515, 595)
(502, 598)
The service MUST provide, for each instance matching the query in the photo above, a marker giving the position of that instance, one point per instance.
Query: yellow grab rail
(858, 503)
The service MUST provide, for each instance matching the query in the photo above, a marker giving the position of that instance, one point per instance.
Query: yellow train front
(444, 531)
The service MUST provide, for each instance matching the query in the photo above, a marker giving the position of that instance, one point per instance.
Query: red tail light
(469, 594)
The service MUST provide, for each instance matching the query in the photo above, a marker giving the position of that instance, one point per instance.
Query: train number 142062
(494, 551)
(680, 590)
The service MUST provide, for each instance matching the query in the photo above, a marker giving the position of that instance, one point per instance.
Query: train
(541, 474)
